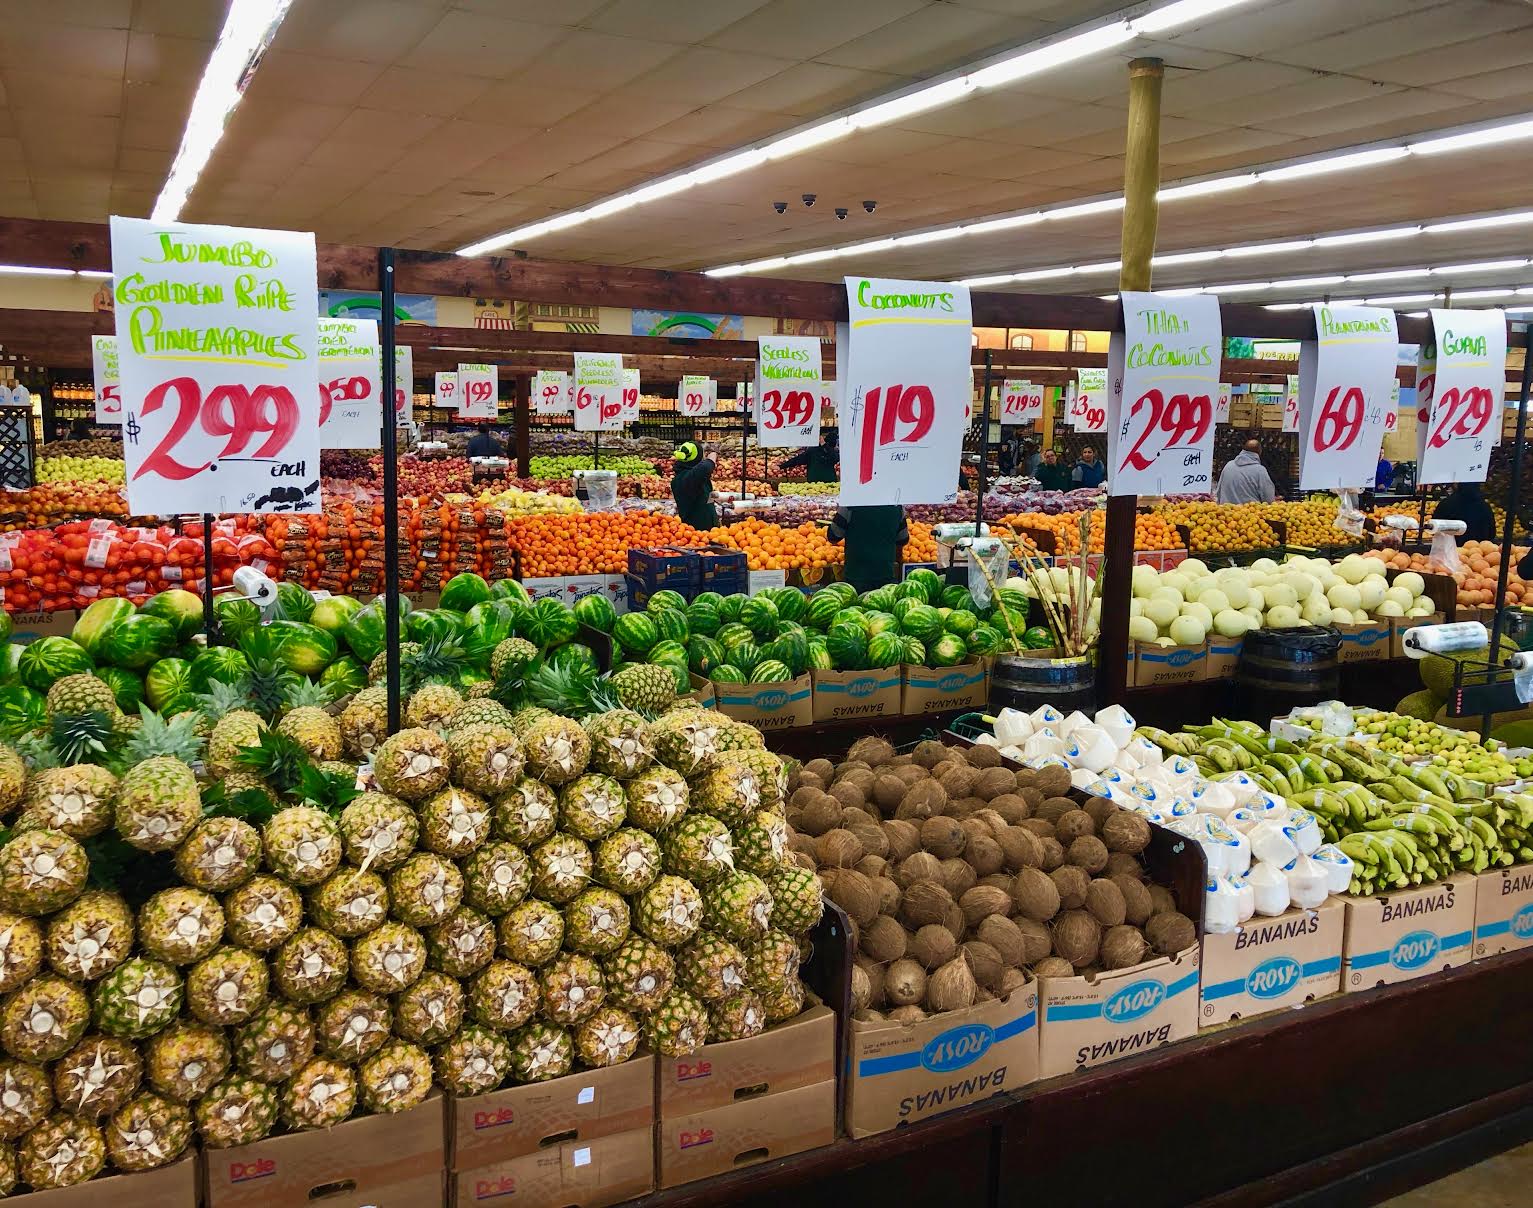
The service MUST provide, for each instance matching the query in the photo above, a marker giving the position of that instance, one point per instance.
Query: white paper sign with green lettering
(598, 386)
(1468, 395)
(350, 384)
(108, 389)
(404, 384)
(1345, 375)
(551, 392)
(478, 391)
(788, 385)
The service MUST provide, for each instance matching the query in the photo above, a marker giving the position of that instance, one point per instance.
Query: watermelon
(138, 641)
(880, 599)
(733, 632)
(957, 596)
(710, 599)
(703, 618)
(928, 581)
(759, 615)
(344, 677)
(238, 617)
(596, 611)
(666, 650)
(882, 622)
(730, 606)
(168, 686)
(984, 640)
(98, 620)
(903, 605)
(549, 624)
(1037, 637)
(434, 625)
(125, 686)
(704, 654)
(5, 626)
(672, 623)
(947, 651)
(770, 671)
(10, 665)
(22, 709)
(912, 650)
(463, 591)
(885, 649)
(850, 616)
(49, 659)
(960, 622)
(666, 598)
(222, 663)
(823, 606)
(791, 603)
(910, 589)
(184, 610)
(847, 646)
(791, 649)
(510, 589)
(745, 655)
(364, 632)
(301, 647)
(922, 623)
(486, 626)
(844, 592)
(1018, 620)
(294, 603)
(636, 632)
(572, 656)
(332, 613)
(1014, 598)
(678, 668)
(819, 655)
(727, 673)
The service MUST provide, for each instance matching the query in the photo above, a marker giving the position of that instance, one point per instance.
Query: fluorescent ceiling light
(1270, 249)
(1486, 137)
(991, 225)
(1181, 13)
(95, 274)
(1388, 274)
(1481, 266)
(1480, 295)
(977, 282)
(1310, 282)
(929, 236)
(1042, 274)
(912, 103)
(1336, 163)
(1355, 237)
(34, 270)
(248, 30)
(1105, 206)
(1101, 266)
(814, 257)
(871, 245)
(1239, 287)
(1203, 188)
(1402, 299)
(1288, 305)
(1052, 54)
(805, 140)
(729, 270)
(1484, 223)
(1176, 258)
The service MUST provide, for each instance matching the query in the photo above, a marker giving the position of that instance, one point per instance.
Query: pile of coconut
(964, 879)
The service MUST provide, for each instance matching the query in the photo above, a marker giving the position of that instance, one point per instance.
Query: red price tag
(551, 391)
(888, 408)
(1465, 412)
(342, 390)
(111, 400)
(1165, 424)
(1014, 405)
(477, 390)
(788, 409)
(1340, 420)
(1391, 419)
(399, 400)
(229, 411)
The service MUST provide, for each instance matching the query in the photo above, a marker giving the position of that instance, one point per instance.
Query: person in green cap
(692, 486)
(874, 537)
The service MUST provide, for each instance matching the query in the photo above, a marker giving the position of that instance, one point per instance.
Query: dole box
(1267, 964)
(1399, 936)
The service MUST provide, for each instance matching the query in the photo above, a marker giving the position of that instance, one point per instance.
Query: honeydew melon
(1400, 596)
(1161, 612)
(1342, 616)
(1303, 585)
(1142, 629)
(1237, 592)
(1371, 592)
(1280, 595)
(1345, 596)
(1283, 616)
(1412, 582)
(1215, 600)
(1187, 631)
(1316, 611)
(1197, 609)
(1390, 608)
(1229, 623)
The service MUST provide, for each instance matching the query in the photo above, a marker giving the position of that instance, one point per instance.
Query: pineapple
(378, 831)
(396, 1078)
(350, 903)
(729, 792)
(627, 860)
(314, 730)
(771, 778)
(609, 1037)
(738, 905)
(496, 878)
(137, 999)
(76, 800)
(645, 688)
(686, 739)
(430, 707)
(180, 925)
(94, 1078)
(796, 899)
(462, 944)
(21, 950)
(9, 1173)
(738, 736)
(430, 1011)
(669, 912)
(784, 1002)
(365, 721)
(186, 1060)
(711, 967)
(310, 966)
(72, 695)
(219, 854)
(638, 974)
(486, 757)
(595, 922)
(378, 669)
(678, 1026)
(573, 987)
(527, 717)
(41, 871)
(771, 961)
(478, 713)
(13, 780)
(303, 845)
(620, 743)
(561, 868)
(232, 733)
(60, 1152)
(474, 1062)
(238, 1111)
(25, 1097)
(527, 814)
(541, 1051)
(425, 889)
(389, 959)
(592, 807)
(44, 1019)
(511, 658)
(262, 913)
(479, 690)
(761, 843)
(412, 764)
(557, 750)
(90, 937)
(737, 1017)
(353, 1025)
(227, 987)
(454, 822)
(657, 799)
(276, 1043)
(504, 995)
(322, 1094)
(531, 932)
(157, 804)
(698, 848)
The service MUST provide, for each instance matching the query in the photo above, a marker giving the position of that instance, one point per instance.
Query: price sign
(103, 360)
(692, 396)
(1468, 395)
(1345, 375)
(551, 392)
(1392, 416)
(788, 385)
(1222, 403)
(630, 412)
(217, 333)
(1164, 377)
(1021, 402)
(447, 390)
(404, 384)
(350, 384)
(905, 391)
(1291, 404)
(598, 386)
(478, 391)
(1088, 405)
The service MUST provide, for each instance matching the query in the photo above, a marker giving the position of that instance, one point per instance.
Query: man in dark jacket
(1467, 504)
(1052, 476)
(484, 444)
(692, 487)
(874, 537)
(819, 460)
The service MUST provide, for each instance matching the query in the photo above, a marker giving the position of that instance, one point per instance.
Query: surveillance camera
(808, 200)
(780, 206)
(841, 213)
(870, 206)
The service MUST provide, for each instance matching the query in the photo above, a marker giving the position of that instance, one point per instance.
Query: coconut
(1170, 933)
(985, 855)
(883, 939)
(872, 866)
(869, 1016)
(953, 921)
(888, 790)
(1070, 827)
(1053, 966)
(848, 794)
(1036, 895)
(1020, 849)
(1004, 936)
(922, 800)
(958, 876)
(981, 902)
(888, 895)
(856, 815)
(974, 827)
(985, 961)
(1161, 901)
(1088, 852)
(862, 987)
(905, 983)
(1123, 946)
(1071, 881)
(803, 795)
(1037, 941)
(1077, 938)
(907, 1015)
(983, 995)
(1011, 981)
(803, 845)
(958, 780)
(1126, 832)
(963, 807)
(819, 815)
(1001, 880)
(847, 767)
(993, 782)
(1100, 810)
(952, 987)
(925, 902)
(899, 761)
(871, 751)
(943, 837)
(1104, 902)
(983, 756)
(904, 838)
(923, 866)
(838, 849)
(1033, 795)
(855, 894)
(932, 945)
(1136, 899)
(805, 861)
(1120, 864)
(806, 780)
(994, 823)
(929, 753)
(1026, 778)
(1011, 807)
(874, 972)
(1055, 808)
(910, 774)
(1041, 827)
(1053, 854)
(1053, 781)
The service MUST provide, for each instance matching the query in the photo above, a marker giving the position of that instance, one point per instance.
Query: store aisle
(1498, 1182)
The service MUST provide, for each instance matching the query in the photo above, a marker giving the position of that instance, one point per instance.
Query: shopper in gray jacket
(1245, 479)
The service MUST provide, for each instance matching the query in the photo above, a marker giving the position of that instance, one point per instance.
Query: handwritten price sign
(404, 384)
(694, 396)
(551, 393)
(1164, 370)
(103, 359)
(1468, 394)
(1345, 376)
(789, 389)
(217, 331)
(905, 391)
(598, 386)
(447, 390)
(1021, 403)
(478, 391)
(350, 384)
(1088, 406)
(1392, 415)
(1222, 404)
(630, 411)
(1291, 404)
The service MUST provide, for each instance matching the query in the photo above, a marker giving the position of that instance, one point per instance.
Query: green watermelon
(463, 591)
(672, 623)
(22, 709)
(912, 650)
(301, 647)
(98, 620)
(704, 654)
(344, 677)
(922, 623)
(929, 581)
(1014, 598)
(364, 632)
(572, 656)
(759, 615)
(596, 611)
(730, 606)
(678, 668)
(880, 599)
(294, 602)
(727, 673)
(711, 599)
(882, 622)
(184, 610)
(819, 655)
(733, 632)
(957, 596)
(851, 616)
(49, 659)
(549, 624)
(510, 589)
(770, 671)
(237, 617)
(332, 613)
(125, 686)
(791, 649)
(432, 625)
(885, 649)
(984, 640)
(138, 641)
(847, 646)
(666, 598)
(745, 655)
(636, 632)
(10, 661)
(960, 622)
(486, 626)
(668, 650)
(791, 603)
(910, 589)
(223, 663)
(1037, 637)
(948, 651)
(703, 618)
(168, 686)
(822, 608)
(842, 591)
(5, 626)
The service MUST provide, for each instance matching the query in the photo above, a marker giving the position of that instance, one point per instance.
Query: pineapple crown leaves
(177, 738)
(81, 737)
(265, 687)
(221, 699)
(329, 791)
(36, 751)
(248, 805)
(566, 690)
(278, 760)
(306, 692)
(603, 698)
(436, 662)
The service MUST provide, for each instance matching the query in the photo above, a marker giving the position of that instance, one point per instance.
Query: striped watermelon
(850, 616)
(819, 655)
(922, 622)
(823, 605)
(885, 650)
(791, 603)
(910, 589)
(880, 599)
(957, 596)
(903, 605)
(730, 606)
(745, 655)
(711, 598)
(672, 623)
(596, 611)
(727, 673)
(1014, 598)
(912, 650)
(947, 651)
(703, 618)
(549, 623)
(733, 632)
(666, 650)
(759, 615)
(984, 640)
(636, 632)
(882, 622)
(666, 598)
(704, 654)
(847, 646)
(790, 649)
(844, 592)
(960, 622)
(770, 671)
(928, 581)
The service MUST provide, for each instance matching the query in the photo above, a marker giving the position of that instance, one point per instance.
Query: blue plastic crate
(666, 567)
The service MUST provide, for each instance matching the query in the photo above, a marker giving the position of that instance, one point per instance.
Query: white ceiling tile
(57, 91)
(719, 127)
(316, 79)
(85, 51)
(1407, 33)
(932, 38)
(374, 31)
(406, 90)
(702, 74)
(812, 89)
(587, 60)
(809, 28)
(1375, 117)
(667, 21)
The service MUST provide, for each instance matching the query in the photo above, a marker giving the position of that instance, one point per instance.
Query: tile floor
(1499, 1182)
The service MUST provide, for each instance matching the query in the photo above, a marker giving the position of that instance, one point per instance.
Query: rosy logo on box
(498, 1118)
(489, 1189)
(243, 1172)
(1522, 923)
(691, 1140)
(689, 1072)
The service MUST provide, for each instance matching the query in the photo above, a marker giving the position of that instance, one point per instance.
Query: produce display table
(1349, 1100)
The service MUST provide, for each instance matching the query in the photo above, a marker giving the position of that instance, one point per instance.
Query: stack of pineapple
(207, 931)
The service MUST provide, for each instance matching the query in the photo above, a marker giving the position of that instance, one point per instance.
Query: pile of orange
(1480, 565)
(1215, 526)
(1151, 531)
(592, 543)
(922, 546)
(769, 546)
(1311, 522)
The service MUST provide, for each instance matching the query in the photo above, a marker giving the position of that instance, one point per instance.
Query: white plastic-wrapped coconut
(1271, 843)
(1304, 828)
(1337, 865)
(1269, 884)
(1308, 882)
